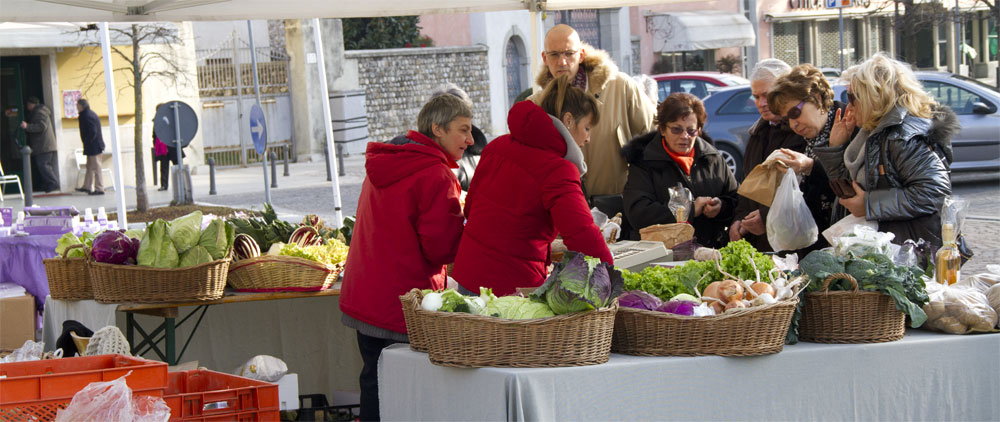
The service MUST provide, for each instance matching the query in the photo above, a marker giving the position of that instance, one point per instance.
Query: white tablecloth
(91, 314)
(925, 376)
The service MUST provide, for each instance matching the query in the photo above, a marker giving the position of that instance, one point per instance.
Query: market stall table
(22, 262)
(924, 376)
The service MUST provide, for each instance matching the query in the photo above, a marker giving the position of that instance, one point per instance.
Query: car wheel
(732, 158)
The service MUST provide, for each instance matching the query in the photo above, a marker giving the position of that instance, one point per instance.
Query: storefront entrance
(20, 78)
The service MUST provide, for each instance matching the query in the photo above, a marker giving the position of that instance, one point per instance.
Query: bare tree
(147, 59)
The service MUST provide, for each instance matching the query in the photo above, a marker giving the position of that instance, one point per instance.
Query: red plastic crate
(36, 390)
(228, 397)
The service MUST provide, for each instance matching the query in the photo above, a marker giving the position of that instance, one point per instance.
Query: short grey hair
(649, 87)
(441, 110)
(769, 69)
(449, 88)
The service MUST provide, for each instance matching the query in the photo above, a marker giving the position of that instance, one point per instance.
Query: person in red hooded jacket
(408, 226)
(526, 190)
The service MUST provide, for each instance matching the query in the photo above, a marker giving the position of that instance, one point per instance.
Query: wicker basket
(131, 283)
(849, 316)
(759, 330)
(69, 278)
(474, 341)
(270, 273)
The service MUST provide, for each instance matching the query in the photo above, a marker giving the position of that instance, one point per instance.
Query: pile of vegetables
(740, 259)
(269, 229)
(305, 241)
(70, 239)
(182, 242)
(487, 304)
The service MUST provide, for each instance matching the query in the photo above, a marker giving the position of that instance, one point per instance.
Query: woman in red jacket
(408, 226)
(526, 190)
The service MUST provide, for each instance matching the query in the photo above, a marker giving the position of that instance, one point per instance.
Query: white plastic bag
(845, 225)
(790, 225)
(863, 240)
(263, 368)
(31, 350)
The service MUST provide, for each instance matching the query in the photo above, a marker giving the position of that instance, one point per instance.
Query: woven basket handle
(840, 276)
(78, 245)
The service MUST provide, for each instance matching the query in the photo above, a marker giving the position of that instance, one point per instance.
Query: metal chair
(6, 180)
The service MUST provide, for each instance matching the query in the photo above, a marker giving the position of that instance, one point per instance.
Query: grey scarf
(573, 152)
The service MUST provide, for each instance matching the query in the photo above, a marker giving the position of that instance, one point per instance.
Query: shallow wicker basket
(131, 283)
(758, 330)
(270, 273)
(849, 316)
(69, 278)
(474, 341)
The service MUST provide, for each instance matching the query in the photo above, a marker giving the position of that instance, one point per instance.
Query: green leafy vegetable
(736, 258)
(156, 249)
(217, 238)
(333, 252)
(195, 256)
(185, 231)
(517, 307)
(267, 230)
(579, 283)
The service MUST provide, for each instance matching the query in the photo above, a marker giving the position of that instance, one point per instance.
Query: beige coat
(626, 112)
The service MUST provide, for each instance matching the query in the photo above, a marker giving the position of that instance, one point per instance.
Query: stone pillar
(308, 131)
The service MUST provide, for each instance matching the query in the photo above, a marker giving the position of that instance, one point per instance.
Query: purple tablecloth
(21, 263)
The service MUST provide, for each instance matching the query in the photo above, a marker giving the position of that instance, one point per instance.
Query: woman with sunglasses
(676, 154)
(898, 162)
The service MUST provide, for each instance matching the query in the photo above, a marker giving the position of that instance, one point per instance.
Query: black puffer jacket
(652, 172)
(906, 172)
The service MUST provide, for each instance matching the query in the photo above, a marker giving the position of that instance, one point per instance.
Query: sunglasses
(850, 97)
(795, 112)
(677, 130)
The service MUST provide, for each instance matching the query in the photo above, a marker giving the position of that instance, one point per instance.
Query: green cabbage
(185, 231)
(156, 249)
(517, 307)
(195, 256)
(69, 239)
(217, 238)
(133, 233)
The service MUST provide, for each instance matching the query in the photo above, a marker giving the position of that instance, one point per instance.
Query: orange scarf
(685, 161)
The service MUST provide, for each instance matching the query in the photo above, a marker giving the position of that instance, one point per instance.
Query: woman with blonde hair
(897, 164)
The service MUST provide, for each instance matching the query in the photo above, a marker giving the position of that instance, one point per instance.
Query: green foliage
(384, 32)
(266, 230)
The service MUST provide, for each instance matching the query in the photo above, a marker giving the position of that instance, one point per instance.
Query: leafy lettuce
(156, 249)
(185, 231)
(217, 238)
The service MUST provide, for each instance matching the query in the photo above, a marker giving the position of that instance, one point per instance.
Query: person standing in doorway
(42, 140)
(93, 146)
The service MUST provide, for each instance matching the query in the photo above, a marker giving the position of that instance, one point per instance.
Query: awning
(705, 30)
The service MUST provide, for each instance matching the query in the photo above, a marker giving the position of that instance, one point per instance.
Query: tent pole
(328, 124)
(116, 156)
(536, 52)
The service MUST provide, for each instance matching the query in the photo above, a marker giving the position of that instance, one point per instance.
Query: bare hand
(752, 223)
(735, 232)
(798, 162)
(24, 125)
(708, 206)
(841, 131)
(856, 203)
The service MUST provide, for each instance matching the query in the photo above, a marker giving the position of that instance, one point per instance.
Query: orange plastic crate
(227, 397)
(36, 390)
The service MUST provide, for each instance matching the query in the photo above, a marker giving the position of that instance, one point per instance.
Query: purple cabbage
(114, 247)
(639, 299)
(679, 307)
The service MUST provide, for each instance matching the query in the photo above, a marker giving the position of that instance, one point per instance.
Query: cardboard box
(17, 321)
(288, 392)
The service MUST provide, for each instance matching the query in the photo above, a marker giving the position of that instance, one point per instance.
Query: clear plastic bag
(263, 368)
(31, 350)
(846, 225)
(864, 240)
(680, 203)
(150, 409)
(100, 401)
(958, 309)
(790, 225)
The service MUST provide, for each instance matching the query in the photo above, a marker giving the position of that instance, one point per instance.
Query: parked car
(701, 84)
(731, 112)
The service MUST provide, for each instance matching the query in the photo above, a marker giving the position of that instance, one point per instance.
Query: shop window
(684, 61)
(791, 42)
(942, 44)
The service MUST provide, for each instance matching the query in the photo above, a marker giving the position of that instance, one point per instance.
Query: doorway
(20, 78)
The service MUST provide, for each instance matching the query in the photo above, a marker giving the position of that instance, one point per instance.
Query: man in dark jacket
(42, 140)
(93, 146)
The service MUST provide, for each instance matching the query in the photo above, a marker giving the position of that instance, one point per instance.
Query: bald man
(625, 111)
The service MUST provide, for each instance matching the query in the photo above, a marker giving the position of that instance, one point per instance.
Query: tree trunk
(141, 200)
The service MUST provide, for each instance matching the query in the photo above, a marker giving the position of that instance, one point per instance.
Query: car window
(740, 103)
(960, 100)
(663, 89)
(697, 88)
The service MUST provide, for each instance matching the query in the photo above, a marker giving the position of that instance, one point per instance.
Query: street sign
(164, 125)
(834, 4)
(258, 129)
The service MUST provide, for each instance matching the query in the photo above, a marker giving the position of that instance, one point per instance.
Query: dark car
(700, 84)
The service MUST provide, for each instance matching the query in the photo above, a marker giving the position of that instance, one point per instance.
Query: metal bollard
(26, 183)
(287, 153)
(326, 155)
(340, 160)
(211, 176)
(274, 169)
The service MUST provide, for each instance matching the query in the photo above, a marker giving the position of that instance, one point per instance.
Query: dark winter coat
(523, 194)
(90, 132)
(41, 135)
(408, 225)
(652, 171)
(906, 172)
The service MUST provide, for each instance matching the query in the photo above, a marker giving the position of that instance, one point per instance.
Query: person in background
(897, 165)
(526, 190)
(768, 134)
(42, 140)
(93, 146)
(675, 153)
(470, 159)
(166, 155)
(408, 226)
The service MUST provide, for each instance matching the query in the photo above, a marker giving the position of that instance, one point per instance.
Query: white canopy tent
(216, 10)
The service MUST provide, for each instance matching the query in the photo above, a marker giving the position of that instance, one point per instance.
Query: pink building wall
(446, 30)
(637, 18)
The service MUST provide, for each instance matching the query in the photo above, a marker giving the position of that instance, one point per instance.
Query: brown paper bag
(669, 234)
(762, 182)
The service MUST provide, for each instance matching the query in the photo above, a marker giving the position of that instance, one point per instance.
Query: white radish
(432, 301)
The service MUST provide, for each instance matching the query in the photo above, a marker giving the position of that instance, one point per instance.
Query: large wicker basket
(131, 283)
(270, 273)
(69, 278)
(849, 316)
(474, 341)
(758, 330)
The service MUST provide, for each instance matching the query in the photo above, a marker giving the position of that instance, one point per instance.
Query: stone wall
(397, 82)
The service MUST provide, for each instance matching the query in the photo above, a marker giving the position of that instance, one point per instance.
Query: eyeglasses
(795, 112)
(557, 54)
(850, 97)
(677, 130)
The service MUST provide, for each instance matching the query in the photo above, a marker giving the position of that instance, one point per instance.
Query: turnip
(432, 301)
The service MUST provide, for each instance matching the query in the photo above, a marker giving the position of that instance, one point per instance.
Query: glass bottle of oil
(947, 261)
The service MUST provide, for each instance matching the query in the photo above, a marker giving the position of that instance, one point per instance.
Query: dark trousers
(371, 349)
(164, 171)
(45, 164)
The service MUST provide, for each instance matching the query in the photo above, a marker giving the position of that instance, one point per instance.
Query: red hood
(388, 163)
(532, 126)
